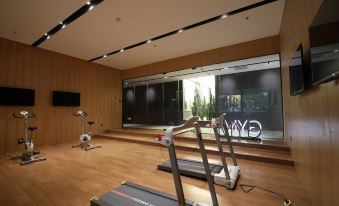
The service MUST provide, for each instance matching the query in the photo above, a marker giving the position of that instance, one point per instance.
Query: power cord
(247, 188)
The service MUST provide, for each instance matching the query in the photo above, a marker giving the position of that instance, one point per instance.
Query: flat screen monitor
(296, 71)
(16, 96)
(325, 63)
(324, 43)
(66, 98)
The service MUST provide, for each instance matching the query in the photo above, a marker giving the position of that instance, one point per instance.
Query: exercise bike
(29, 155)
(85, 138)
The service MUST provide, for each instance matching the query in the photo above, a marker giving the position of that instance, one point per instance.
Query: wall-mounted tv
(16, 96)
(325, 63)
(66, 98)
(324, 43)
(296, 70)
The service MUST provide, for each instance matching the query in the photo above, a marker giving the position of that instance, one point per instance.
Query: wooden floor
(72, 176)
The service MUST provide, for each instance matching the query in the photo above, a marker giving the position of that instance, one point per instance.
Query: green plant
(201, 108)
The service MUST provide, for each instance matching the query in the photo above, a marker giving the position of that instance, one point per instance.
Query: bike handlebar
(30, 115)
(78, 115)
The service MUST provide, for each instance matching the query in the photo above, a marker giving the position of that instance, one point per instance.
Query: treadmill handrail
(224, 127)
(188, 124)
(168, 139)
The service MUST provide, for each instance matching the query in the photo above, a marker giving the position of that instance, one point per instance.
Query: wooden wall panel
(312, 118)
(260, 47)
(28, 67)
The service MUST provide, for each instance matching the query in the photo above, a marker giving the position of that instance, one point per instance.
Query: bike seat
(90, 122)
(32, 128)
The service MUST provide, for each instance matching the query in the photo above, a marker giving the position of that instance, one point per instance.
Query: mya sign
(253, 128)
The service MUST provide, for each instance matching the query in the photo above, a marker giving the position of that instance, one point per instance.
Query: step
(209, 138)
(248, 153)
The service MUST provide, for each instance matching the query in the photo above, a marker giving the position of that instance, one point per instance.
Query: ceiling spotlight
(121, 50)
(90, 8)
(88, 3)
(48, 37)
(126, 83)
(60, 22)
(45, 34)
(335, 51)
(105, 55)
(63, 26)
(224, 16)
(149, 41)
(180, 30)
(165, 77)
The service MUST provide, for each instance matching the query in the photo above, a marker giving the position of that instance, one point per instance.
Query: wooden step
(249, 153)
(209, 138)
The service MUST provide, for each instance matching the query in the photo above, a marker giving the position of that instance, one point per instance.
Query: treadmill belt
(129, 194)
(191, 168)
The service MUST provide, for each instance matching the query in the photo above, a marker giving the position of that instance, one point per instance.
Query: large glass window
(249, 91)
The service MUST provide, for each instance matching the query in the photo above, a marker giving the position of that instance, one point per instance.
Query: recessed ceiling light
(180, 30)
(121, 50)
(224, 16)
(90, 8)
(336, 50)
(88, 3)
(126, 83)
(165, 77)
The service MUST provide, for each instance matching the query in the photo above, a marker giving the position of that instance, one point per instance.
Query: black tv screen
(296, 70)
(324, 43)
(16, 96)
(66, 98)
(325, 63)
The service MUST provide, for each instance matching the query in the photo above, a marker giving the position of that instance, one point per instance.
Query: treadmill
(222, 173)
(130, 194)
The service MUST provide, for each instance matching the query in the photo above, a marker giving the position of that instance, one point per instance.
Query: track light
(121, 50)
(149, 41)
(105, 55)
(180, 30)
(224, 16)
(88, 6)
